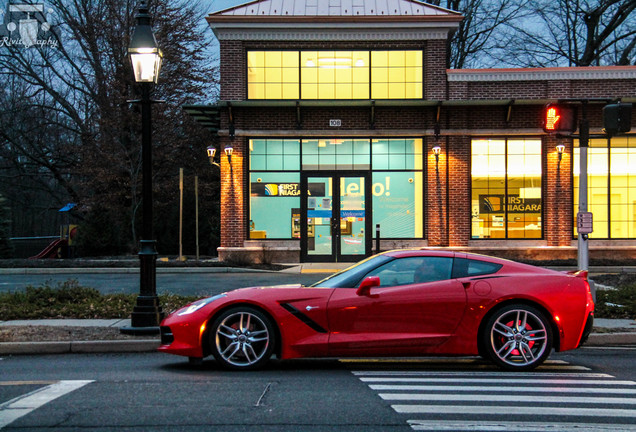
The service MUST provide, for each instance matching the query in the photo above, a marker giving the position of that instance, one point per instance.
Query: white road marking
(500, 389)
(20, 406)
(450, 425)
(483, 374)
(506, 398)
(516, 410)
(501, 380)
(610, 348)
(474, 400)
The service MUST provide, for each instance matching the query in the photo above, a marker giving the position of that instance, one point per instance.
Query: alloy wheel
(520, 338)
(242, 339)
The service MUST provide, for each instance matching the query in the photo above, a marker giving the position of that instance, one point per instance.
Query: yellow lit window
(334, 74)
(272, 75)
(397, 74)
(506, 189)
(611, 178)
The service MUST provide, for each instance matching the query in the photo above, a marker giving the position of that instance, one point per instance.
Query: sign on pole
(584, 222)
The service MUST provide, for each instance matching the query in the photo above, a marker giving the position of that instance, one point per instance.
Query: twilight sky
(216, 5)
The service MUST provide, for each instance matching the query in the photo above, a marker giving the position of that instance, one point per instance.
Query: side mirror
(366, 285)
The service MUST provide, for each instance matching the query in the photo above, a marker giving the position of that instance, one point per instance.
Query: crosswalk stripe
(20, 406)
(482, 374)
(472, 363)
(450, 425)
(502, 380)
(516, 410)
(499, 389)
(506, 398)
(477, 400)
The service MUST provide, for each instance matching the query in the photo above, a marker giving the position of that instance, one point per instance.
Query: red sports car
(398, 303)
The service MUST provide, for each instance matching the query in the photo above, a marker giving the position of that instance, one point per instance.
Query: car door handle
(466, 285)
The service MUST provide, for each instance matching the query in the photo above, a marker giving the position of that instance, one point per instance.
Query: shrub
(70, 300)
(616, 303)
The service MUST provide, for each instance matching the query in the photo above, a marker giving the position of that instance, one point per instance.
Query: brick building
(343, 119)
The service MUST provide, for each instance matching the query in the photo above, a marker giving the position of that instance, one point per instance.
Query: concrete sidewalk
(607, 332)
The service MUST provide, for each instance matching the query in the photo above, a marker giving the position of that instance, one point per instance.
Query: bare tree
(480, 30)
(573, 33)
(71, 119)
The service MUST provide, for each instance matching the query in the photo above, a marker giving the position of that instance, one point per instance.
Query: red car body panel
(435, 318)
(403, 319)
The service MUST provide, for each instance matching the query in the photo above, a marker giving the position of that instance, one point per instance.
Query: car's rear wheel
(242, 338)
(518, 337)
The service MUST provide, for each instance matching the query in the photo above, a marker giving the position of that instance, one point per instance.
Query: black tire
(518, 337)
(242, 338)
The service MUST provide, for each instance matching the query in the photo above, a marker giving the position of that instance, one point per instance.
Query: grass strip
(68, 300)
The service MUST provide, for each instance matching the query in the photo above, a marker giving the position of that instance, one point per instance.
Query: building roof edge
(536, 74)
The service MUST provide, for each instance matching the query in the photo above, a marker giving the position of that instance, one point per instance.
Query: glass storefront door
(336, 217)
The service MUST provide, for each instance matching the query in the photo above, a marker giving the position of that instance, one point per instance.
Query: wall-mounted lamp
(228, 153)
(560, 148)
(436, 152)
(211, 154)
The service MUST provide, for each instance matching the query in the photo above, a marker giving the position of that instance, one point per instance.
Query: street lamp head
(211, 154)
(436, 151)
(228, 152)
(560, 148)
(144, 51)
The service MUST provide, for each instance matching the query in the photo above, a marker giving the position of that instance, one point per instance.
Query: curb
(77, 347)
(611, 339)
(151, 345)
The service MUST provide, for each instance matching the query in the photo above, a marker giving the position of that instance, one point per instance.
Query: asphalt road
(584, 390)
(183, 283)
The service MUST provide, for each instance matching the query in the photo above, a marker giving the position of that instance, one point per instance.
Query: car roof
(509, 264)
(402, 253)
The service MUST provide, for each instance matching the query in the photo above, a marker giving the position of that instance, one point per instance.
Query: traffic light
(617, 118)
(559, 118)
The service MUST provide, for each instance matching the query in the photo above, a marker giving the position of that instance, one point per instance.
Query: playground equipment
(61, 247)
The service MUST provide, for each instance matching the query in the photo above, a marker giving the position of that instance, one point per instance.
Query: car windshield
(350, 277)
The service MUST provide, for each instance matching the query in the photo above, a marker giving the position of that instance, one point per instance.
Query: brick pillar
(436, 199)
(233, 70)
(233, 184)
(459, 202)
(435, 69)
(557, 202)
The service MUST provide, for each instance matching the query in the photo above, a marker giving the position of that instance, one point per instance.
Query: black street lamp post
(146, 59)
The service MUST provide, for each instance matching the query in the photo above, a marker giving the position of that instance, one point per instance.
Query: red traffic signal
(559, 118)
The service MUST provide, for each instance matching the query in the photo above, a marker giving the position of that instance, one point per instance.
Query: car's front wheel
(242, 338)
(518, 337)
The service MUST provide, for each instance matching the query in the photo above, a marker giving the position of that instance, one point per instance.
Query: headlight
(193, 307)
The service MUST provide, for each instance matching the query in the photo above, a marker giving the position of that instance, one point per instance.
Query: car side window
(405, 271)
(463, 267)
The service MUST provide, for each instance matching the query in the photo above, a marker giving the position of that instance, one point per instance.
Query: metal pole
(147, 313)
(180, 214)
(583, 246)
(196, 212)
(377, 238)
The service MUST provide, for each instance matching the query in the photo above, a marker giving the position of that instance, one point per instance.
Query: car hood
(274, 291)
